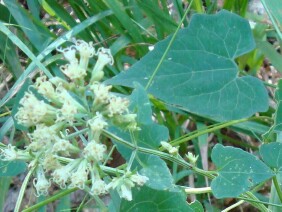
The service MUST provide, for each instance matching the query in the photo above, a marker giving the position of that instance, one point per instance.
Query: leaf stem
(277, 187)
(168, 46)
(198, 190)
(51, 199)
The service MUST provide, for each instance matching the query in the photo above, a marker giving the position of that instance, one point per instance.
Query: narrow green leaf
(6, 127)
(238, 171)
(34, 8)
(147, 199)
(59, 41)
(270, 52)
(199, 73)
(158, 16)
(4, 185)
(125, 20)
(24, 48)
(38, 34)
(273, 9)
(57, 10)
(10, 57)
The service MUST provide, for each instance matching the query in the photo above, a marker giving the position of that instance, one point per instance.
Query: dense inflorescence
(66, 118)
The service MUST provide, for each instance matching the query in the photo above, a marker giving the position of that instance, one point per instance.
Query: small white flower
(45, 87)
(62, 146)
(139, 179)
(40, 183)
(65, 96)
(104, 57)
(42, 137)
(123, 186)
(94, 151)
(70, 106)
(117, 106)
(98, 188)
(127, 121)
(9, 153)
(101, 92)
(125, 190)
(74, 71)
(69, 53)
(85, 49)
(62, 175)
(50, 161)
(98, 123)
(66, 113)
(34, 111)
(80, 176)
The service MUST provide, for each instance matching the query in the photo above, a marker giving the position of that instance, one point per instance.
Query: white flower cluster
(54, 110)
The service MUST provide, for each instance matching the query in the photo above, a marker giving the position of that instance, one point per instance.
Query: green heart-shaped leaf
(238, 171)
(199, 73)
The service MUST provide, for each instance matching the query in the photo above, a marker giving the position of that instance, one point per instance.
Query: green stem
(258, 201)
(205, 131)
(255, 201)
(168, 46)
(162, 155)
(130, 162)
(198, 190)
(109, 155)
(277, 187)
(233, 206)
(23, 188)
(77, 133)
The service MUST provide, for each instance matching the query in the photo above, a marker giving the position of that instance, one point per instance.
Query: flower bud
(192, 158)
(172, 150)
(104, 57)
